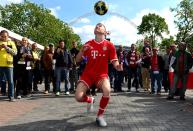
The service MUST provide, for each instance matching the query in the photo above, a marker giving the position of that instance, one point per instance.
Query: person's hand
(119, 67)
(24, 55)
(3, 46)
(59, 50)
(29, 56)
(37, 59)
(85, 48)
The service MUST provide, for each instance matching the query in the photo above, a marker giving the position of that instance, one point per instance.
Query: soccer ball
(100, 8)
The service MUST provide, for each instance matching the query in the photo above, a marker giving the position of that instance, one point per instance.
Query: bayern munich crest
(104, 48)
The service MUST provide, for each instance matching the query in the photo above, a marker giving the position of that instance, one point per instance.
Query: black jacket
(146, 61)
(63, 59)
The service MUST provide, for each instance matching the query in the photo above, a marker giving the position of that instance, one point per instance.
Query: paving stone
(125, 112)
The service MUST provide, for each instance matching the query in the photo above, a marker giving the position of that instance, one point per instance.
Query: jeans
(3, 83)
(8, 73)
(158, 78)
(62, 72)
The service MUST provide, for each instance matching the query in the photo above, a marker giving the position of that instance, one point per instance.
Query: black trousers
(24, 81)
(48, 78)
(165, 81)
(132, 72)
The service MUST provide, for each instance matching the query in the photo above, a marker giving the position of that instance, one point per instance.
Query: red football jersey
(98, 56)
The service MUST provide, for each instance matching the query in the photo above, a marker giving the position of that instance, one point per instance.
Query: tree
(37, 23)
(153, 26)
(139, 45)
(166, 42)
(184, 22)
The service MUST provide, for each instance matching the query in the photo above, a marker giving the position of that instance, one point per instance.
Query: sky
(121, 20)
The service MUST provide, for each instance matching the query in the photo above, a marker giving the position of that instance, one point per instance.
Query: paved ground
(126, 112)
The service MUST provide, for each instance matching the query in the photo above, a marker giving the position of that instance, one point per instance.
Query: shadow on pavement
(50, 125)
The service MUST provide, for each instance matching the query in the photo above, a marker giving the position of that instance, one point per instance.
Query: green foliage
(184, 22)
(153, 26)
(37, 23)
(166, 42)
(139, 45)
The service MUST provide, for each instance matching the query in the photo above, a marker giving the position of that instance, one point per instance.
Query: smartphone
(10, 46)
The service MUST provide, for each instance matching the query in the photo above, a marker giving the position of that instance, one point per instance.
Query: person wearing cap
(181, 65)
(157, 65)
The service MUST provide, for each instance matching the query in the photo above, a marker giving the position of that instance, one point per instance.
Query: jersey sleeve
(112, 53)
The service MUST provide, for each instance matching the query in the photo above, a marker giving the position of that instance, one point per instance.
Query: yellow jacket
(35, 55)
(6, 54)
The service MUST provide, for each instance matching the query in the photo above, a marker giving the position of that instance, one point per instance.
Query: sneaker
(182, 98)
(72, 91)
(11, 99)
(67, 93)
(36, 90)
(170, 98)
(3, 94)
(19, 97)
(100, 121)
(129, 90)
(46, 92)
(27, 96)
(90, 106)
(152, 92)
(57, 93)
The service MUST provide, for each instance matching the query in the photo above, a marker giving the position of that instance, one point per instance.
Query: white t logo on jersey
(94, 53)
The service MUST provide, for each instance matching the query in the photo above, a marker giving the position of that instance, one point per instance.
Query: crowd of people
(28, 67)
(23, 67)
(96, 65)
(150, 69)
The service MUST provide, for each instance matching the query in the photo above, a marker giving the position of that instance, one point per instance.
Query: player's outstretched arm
(79, 56)
(117, 66)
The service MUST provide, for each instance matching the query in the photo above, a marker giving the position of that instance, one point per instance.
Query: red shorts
(90, 80)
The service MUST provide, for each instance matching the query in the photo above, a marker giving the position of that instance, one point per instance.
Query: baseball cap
(50, 44)
(155, 48)
(173, 45)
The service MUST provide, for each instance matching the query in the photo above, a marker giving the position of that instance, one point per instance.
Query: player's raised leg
(80, 96)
